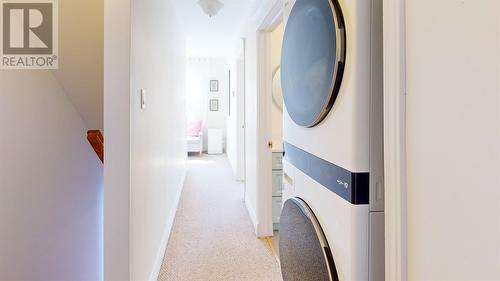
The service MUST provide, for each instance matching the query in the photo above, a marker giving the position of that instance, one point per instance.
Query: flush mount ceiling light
(211, 7)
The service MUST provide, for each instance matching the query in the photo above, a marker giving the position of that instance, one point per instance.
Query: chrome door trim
(338, 72)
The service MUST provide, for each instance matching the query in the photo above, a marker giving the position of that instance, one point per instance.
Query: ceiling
(216, 36)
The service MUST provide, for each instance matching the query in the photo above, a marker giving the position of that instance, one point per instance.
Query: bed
(195, 137)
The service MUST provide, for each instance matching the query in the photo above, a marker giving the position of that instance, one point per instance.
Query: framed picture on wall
(214, 85)
(214, 105)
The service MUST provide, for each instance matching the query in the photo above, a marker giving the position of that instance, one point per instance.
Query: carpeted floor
(213, 237)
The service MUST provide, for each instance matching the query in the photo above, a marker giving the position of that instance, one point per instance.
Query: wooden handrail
(96, 140)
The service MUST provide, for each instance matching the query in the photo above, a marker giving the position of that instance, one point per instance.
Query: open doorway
(276, 132)
(215, 108)
(206, 105)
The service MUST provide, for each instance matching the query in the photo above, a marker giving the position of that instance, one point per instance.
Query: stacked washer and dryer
(332, 223)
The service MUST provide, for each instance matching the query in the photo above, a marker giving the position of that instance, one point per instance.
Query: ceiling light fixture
(211, 7)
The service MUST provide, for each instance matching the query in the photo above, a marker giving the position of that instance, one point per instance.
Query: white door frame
(395, 140)
(264, 102)
(240, 114)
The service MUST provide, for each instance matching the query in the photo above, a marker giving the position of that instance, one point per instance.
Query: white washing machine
(332, 224)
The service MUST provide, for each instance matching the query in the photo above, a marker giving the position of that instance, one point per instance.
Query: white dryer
(332, 224)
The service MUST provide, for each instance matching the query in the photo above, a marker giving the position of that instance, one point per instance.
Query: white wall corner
(395, 140)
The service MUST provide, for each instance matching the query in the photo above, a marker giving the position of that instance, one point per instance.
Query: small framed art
(214, 85)
(214, 105)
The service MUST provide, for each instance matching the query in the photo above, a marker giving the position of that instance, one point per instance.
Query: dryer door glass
(312, 61)
(303, 249)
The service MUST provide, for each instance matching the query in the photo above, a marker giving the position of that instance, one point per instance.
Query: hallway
(213, 237)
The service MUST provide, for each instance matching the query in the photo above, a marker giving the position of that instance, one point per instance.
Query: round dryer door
(312, 62)
(303, 248)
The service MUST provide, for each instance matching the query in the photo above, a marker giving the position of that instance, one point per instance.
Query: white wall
(252, 145)
(453, 127)
(276, 112)
(158, 132)
(155, 158)
(50, 181)
(251, 109)
(198, 75)
(117, 144)
(81, 44)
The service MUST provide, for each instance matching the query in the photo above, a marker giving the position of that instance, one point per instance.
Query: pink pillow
(194, 128)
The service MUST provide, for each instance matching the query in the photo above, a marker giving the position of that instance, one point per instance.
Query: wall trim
(155, 272)
(271, 19)
(252, 215)
(395, 140)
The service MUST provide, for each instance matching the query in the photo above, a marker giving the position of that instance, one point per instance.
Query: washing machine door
(303, 248)
(312, 62)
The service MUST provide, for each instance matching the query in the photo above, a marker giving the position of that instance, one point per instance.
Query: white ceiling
(216, 36)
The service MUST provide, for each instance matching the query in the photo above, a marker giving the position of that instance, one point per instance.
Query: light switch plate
(143, 99)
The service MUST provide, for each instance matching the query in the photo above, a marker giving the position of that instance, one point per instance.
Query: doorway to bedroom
(207, 105)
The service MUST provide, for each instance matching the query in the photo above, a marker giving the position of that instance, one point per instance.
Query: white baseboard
(252, 214)
(166, 234)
